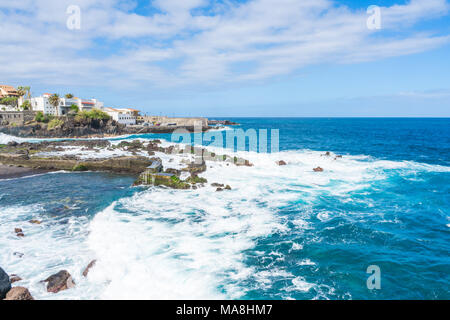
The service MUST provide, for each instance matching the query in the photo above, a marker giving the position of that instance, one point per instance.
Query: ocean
(282, 232)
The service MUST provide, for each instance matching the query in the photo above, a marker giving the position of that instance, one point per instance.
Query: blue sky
(235, 58)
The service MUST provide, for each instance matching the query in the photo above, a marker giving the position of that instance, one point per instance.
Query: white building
(43, 104)
(123, 115)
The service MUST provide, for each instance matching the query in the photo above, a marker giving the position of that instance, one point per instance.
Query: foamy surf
(195, 244)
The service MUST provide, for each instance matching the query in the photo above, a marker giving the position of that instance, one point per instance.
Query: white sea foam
(191, 244)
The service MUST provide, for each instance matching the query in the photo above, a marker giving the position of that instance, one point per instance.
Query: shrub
(26, 105)
(39, 117)
(79, 167)
(54, 123)
(74, 108)
(94, 114)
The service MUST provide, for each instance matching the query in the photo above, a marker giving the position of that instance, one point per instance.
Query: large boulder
(60, 281)
(19, 293)
(5, 284)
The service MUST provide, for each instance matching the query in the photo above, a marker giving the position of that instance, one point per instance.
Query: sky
(225, 58)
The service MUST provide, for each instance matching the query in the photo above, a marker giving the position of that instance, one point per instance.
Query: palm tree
(54, 101)
(68, 96)
(22, 91)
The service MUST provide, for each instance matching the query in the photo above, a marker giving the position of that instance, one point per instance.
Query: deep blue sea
(282, 232)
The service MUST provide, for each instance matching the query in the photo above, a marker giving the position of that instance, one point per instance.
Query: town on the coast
(54, 115)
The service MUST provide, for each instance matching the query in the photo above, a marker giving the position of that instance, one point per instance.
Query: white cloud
(197, 42)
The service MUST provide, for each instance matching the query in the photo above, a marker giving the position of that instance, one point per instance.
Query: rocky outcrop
(15, 278)
(19, 293)
(5, 284)
(318, 169)
(162, 179)
(281, 163)
(59, 281)
(124, 164)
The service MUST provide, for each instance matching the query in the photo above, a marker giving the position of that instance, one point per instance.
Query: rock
(19, 293)
(5, 284)
(12, 144)
(318, 169)
(15, 278)
(194, 167)
(281, 163)
(219, 189)
(18, 230)
(35, 221)
(217, 185)
(18, 254)
(20, 234)
(173, 171)
(60, 281)
(227, 187)
(327, 154)
(162, 179)
(193, 179)
(90, 265)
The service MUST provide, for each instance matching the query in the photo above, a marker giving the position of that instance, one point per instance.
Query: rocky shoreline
(90, 128)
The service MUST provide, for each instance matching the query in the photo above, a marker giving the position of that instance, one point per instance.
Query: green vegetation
(54, 123)
(24, 90)
(94, 114)
(26, 105)
(68, 96)
(196, 179)
(40, 117)
(80, 167)
(74, 108)
(10, 101)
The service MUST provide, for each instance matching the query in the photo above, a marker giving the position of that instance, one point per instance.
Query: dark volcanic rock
(15, 278)
(5, 284)
(318, 169)
(281, 163)
(60, 281)
(194, 167)
(88, 268)
(217, 185)
(19, 293)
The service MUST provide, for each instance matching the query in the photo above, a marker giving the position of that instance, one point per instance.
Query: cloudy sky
(234, 58)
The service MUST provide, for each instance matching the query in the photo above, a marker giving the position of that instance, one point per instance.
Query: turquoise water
(283, 232)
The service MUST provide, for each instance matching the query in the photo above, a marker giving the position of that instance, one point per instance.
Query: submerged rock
(217, 185)
(88, 268)
(281, 163)
(5, 284)
(318, 169)
(35, 221)
(15, 278)
(18, 230)
(19, 293)
(59, 281)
